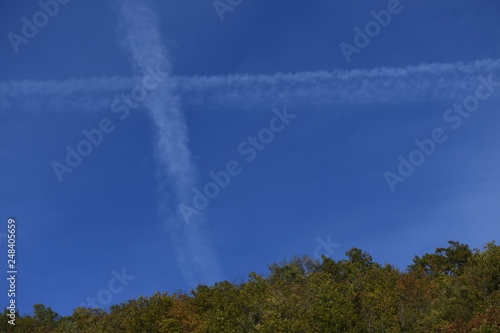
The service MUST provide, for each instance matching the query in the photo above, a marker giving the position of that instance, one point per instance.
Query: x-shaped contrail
(142, 41)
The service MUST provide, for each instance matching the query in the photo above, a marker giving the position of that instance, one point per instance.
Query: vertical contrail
(177, 173)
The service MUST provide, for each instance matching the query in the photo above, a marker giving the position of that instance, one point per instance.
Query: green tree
(449, 261)
(45, 319)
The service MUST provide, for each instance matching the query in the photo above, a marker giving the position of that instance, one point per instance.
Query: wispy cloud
(425, 82)
(142, 41)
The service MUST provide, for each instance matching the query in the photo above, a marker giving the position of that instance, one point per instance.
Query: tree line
(453, 290)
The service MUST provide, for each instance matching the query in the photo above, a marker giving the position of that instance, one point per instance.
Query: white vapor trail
(196, 254)
(425, 82)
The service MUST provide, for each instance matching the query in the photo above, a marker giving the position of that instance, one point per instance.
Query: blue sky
(219, 82)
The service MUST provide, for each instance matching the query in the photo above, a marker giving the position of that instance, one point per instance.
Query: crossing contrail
(142, 41)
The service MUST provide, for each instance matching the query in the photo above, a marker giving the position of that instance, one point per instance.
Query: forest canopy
(454, 289)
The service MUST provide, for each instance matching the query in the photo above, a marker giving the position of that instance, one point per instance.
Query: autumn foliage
(455, 289)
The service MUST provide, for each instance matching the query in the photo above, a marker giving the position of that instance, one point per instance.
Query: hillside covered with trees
(455, 289)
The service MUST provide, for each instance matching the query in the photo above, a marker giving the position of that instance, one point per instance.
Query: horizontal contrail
(425, 82)
(94, 94)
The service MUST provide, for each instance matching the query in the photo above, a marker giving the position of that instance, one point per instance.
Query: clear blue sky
(321, 176)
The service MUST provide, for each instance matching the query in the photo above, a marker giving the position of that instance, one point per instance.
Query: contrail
(73, 95)
(196, 254)
(425, 82)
